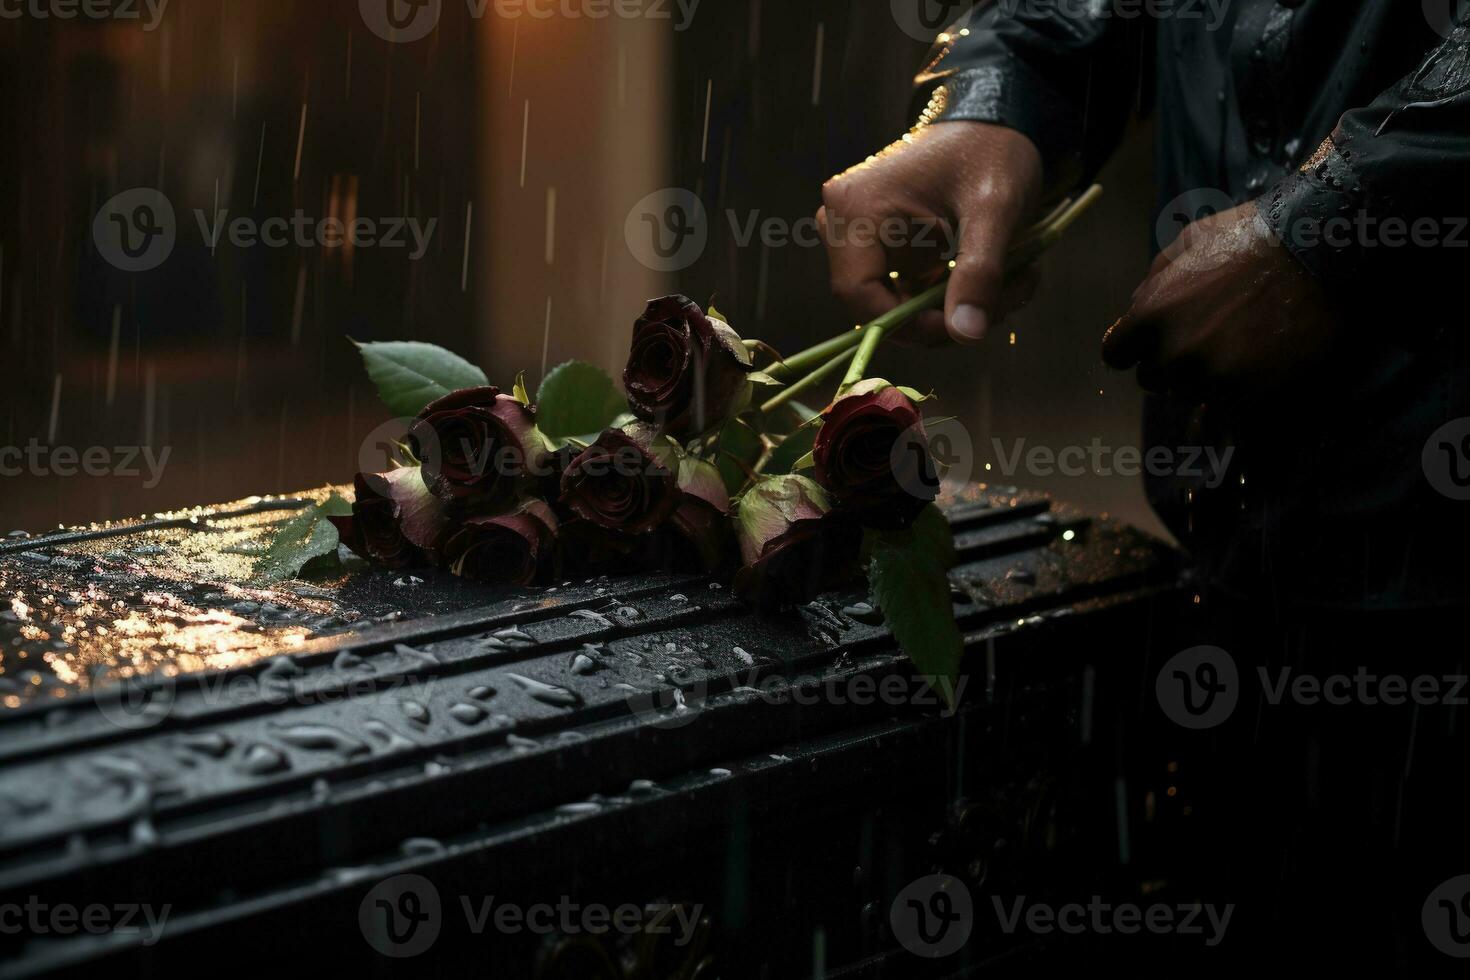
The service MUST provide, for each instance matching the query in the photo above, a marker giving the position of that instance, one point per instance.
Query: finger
(1159, 264)
(927, 330)
(858, 265)
(1019, 290)
(1151, 378)
(972, 304)
(1128, 342)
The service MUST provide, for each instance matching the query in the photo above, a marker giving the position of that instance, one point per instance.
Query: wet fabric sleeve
(1381, 213)
(1065, 78)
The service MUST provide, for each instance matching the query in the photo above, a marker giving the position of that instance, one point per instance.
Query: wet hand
(957, 186)
(1226, 309)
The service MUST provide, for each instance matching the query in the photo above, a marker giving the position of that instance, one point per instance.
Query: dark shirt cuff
(1016, 97)
(1315, 212)
(1356, 244)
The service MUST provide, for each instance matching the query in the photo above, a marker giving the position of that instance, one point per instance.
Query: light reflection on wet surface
(175, 599)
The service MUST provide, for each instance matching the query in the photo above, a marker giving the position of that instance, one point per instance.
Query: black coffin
(353, 770)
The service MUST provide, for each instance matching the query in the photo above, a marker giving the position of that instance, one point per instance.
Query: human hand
(972, 185)
(1225, 309)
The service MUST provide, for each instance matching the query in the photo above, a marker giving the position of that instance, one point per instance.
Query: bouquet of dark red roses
(686, 469)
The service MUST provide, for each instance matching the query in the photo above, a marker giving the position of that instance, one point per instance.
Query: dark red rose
(794, 545)
(687, 371)
(698, 535)
(548, 477)
(591, 549)
(621, 483)
(389, 508)
(477, 444)
(872, 455)
(697, 538)
(513, 549)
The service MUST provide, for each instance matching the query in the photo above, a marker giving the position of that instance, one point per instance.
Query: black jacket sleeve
(1380, 212)
(1067, 81)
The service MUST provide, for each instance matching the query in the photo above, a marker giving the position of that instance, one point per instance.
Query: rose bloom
(621, 483)
(687, 371)
(794, 545)
(376, 529)
(512, 549)
(476, 444)
(872, 454)
(698, 536)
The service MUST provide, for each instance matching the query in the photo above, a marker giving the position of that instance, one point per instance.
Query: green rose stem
(1031, 246)
(811, 380)
(814, 356)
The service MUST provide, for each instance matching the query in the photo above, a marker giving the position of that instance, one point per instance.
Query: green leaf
(716, 314)
(906, 573)
(411, 375)
(914, 395)
(301, 540)
(761, 378)
(738, 443)
(576, 399)
(521, 394)
(789, 454)
(932, 532)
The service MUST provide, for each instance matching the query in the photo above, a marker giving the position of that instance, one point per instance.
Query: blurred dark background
(528, 141)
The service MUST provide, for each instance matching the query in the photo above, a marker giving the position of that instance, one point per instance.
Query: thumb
(972, 305)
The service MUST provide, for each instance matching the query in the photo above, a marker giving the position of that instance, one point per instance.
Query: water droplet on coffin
(557, 697)
(467, 714)
(262, 760)
(322, 738)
